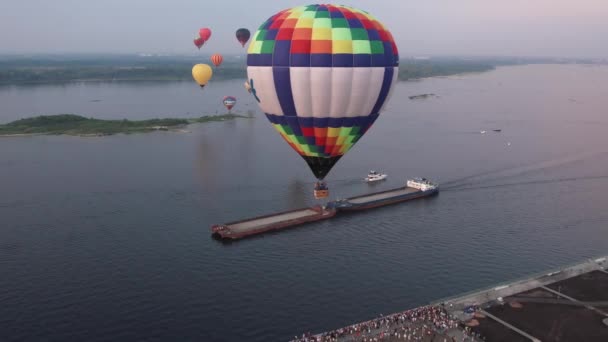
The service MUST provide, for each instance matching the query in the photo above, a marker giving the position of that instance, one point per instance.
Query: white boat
(421, 184)
(374, 176)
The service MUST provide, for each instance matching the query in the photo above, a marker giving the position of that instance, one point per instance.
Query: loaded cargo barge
(262, 224)
(415, 188)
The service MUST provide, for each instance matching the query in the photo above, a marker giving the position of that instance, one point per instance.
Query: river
(107, 238)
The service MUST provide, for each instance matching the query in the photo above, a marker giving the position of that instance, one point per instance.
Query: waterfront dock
(566, 304)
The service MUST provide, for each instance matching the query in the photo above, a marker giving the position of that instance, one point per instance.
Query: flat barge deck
(379, 199)
(261, 224)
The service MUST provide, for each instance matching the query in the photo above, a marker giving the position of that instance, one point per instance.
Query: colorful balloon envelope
(322, 74)
(229, 102)
(243, 35)
(202, 74)
(217, 59)
(203, 36)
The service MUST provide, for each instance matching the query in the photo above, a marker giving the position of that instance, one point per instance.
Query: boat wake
(534, 182)
(516, 171)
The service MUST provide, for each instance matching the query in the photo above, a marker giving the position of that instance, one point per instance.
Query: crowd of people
(427, 323)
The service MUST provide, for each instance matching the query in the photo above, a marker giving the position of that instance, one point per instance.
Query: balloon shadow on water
(207, 162)
(296, 193)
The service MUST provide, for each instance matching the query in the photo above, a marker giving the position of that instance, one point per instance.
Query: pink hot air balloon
(205, 33)
(203, 36)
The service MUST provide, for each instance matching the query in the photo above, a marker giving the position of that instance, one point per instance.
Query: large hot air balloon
(242, 35)
(202, 74)
(229, 102)
(322, 74)
(203, 36)
(217, 59)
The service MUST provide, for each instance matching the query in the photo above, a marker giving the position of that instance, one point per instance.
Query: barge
(261, 224)
(415, 188)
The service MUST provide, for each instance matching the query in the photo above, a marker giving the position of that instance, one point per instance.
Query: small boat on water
(497, 130)
(374, 176)
(422, 184)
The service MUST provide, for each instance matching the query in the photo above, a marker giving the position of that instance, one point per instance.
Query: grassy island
(422, 96)
(79, 125)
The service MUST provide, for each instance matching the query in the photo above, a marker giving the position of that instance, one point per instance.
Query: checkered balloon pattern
(322, 74)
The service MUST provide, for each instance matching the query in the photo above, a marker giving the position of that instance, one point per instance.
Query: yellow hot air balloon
(202, 74)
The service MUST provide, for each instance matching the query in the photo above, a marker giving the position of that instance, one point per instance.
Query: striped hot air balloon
(229, 102)
(217, 59)
(322, 74)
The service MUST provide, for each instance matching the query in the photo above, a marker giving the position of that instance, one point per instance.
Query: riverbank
(534, 308)
(70, 124)
(64, 69)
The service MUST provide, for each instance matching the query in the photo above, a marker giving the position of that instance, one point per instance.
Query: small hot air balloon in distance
(198, 41)
(323, 85)
(203, 36)
(217, 59)
(202, 74)
(242, 35)
(229, 102)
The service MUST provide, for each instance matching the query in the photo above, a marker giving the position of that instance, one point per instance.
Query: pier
(567, 304)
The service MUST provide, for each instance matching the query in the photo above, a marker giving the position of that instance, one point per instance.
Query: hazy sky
(568, 28)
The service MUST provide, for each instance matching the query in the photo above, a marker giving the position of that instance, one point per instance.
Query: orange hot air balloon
(217, 59)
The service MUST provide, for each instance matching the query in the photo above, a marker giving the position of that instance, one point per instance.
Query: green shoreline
(41, 70)
(61, 69)
(76, 125)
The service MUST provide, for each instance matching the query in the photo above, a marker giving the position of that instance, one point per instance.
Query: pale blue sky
(564, 28)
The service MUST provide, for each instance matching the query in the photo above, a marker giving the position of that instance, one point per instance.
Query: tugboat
(421, 184)
(374, 176)
(321, 190)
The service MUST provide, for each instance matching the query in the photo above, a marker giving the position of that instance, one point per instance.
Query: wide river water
(107, 238)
